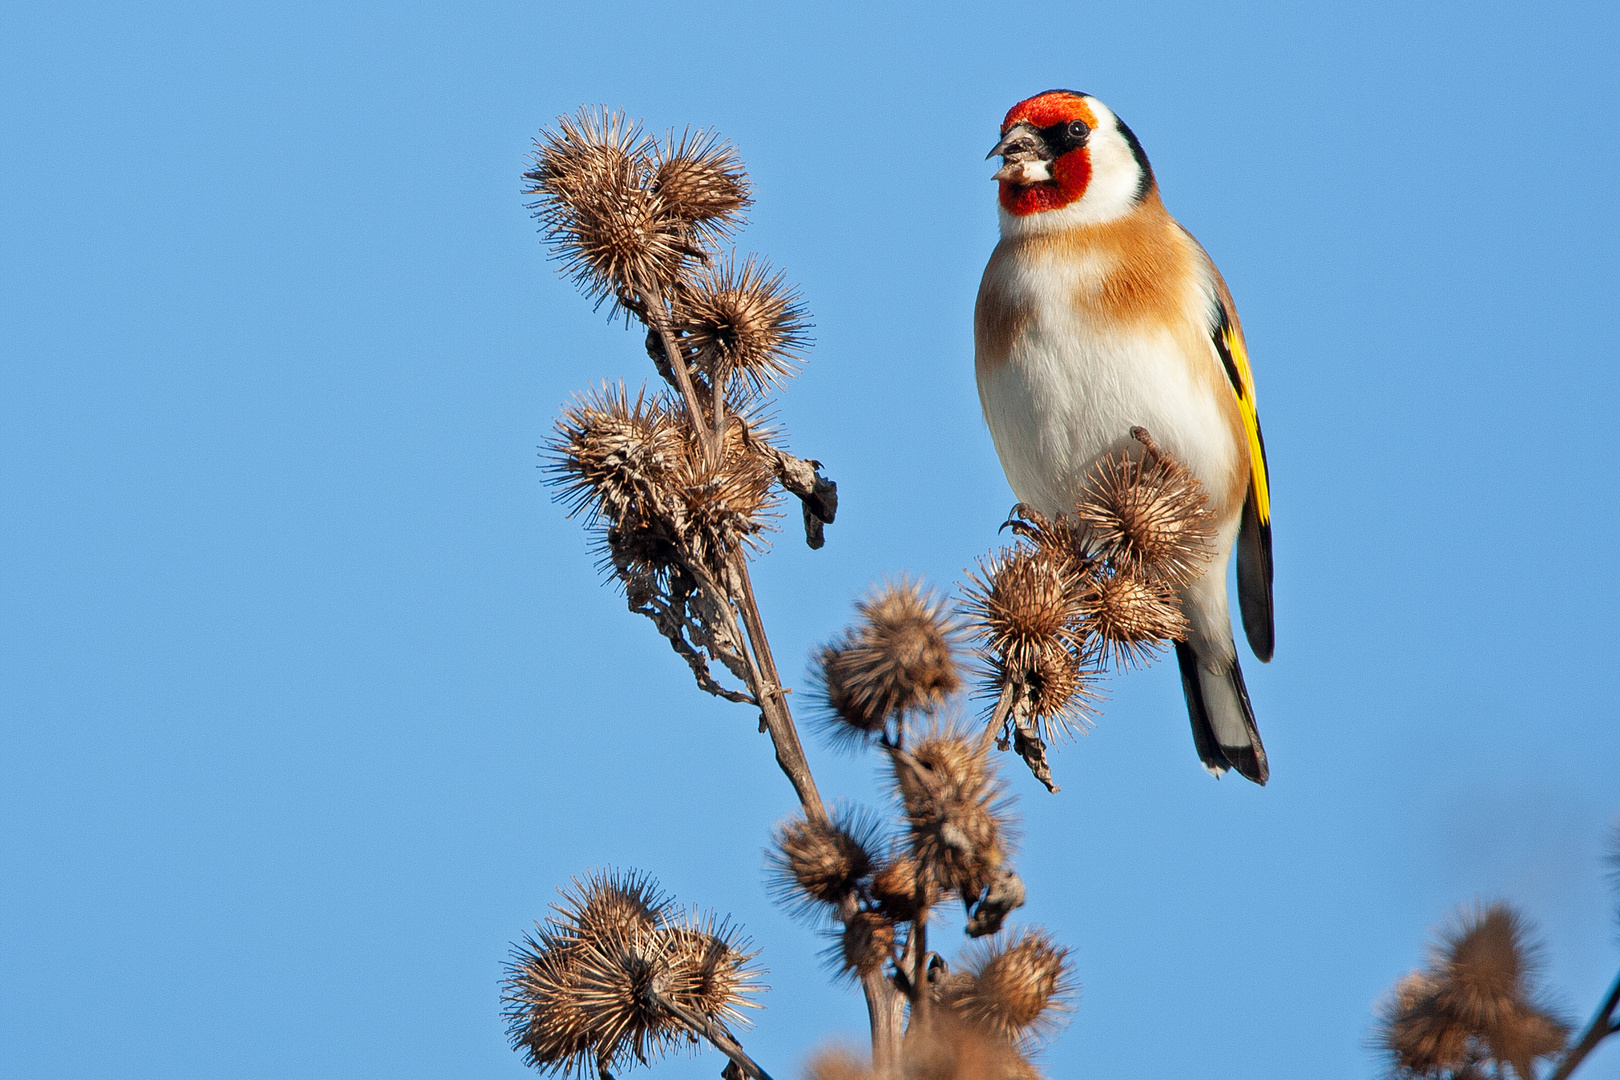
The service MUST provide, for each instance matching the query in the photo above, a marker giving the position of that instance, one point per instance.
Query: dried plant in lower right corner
(1476, 1009)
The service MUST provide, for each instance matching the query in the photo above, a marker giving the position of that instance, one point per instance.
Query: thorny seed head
(607, 903)
(701, 180)
(609, 454)
(1017, 987)
(1148, 516)
(744, 326)
(719, 506)
(1028, 606)
(951, 1048)
(1476, 999)
(902, 885)
(847, 718)
(1133, 617)
(866, 943)
(815, 863)
(594, 988)
(543, 1014)
(648, 483)
(710, 965)
(594, 181)
(899, 659)
(955, 808)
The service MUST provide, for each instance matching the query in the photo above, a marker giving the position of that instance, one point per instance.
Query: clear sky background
(311, 696)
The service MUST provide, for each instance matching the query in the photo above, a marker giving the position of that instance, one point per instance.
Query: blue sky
(311, 696)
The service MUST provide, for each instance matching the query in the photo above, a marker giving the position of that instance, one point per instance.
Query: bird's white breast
(1074, 382)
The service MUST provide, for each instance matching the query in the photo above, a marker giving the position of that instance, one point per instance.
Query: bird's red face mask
(1045, 163)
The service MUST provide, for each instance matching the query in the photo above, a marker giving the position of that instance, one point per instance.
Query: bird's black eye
(1078, 129)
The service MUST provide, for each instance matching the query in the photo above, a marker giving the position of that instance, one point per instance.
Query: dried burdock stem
(772, 701)
(919, 966)
(715, 1034)
(1606, 1022)
(683, 378)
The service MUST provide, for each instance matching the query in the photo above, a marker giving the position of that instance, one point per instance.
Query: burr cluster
(1475, 1008)
(618, 974)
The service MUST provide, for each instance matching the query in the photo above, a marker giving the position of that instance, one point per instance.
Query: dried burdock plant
(1147, 516)
(951, 1049)
(1133, 617)
(680, 488)
(955, 808)
(615, 976)
(1029, 606)
(712, 966)
(607, 903)
(610, 456)
(1018, 987)
(1476, 1004)
(657, 496)
(618, 239)
(898, 661)
(866, 944)
(1085, 592)
(901, 889)
(743, 326)
(815, 865)
(702, 183)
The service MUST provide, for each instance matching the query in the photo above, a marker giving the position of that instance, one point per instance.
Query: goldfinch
(1099, 312)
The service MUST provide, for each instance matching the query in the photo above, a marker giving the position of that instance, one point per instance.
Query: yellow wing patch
(1235, 358)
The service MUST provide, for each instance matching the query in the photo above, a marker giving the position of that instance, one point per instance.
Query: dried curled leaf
(1005, 894)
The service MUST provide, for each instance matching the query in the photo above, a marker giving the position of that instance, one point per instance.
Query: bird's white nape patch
(1116, 178)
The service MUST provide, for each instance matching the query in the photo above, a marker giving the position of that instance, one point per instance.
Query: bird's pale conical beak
(1026, 159)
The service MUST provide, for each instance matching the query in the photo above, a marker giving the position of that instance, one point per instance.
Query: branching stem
(1604, 1024)
(716, 1035)
(658, 313)
(998, 719)
(919, 967)
(773, 704)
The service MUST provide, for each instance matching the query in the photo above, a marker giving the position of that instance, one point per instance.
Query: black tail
(1223, 724)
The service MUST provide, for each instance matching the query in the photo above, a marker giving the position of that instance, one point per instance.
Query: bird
(1098, 312)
